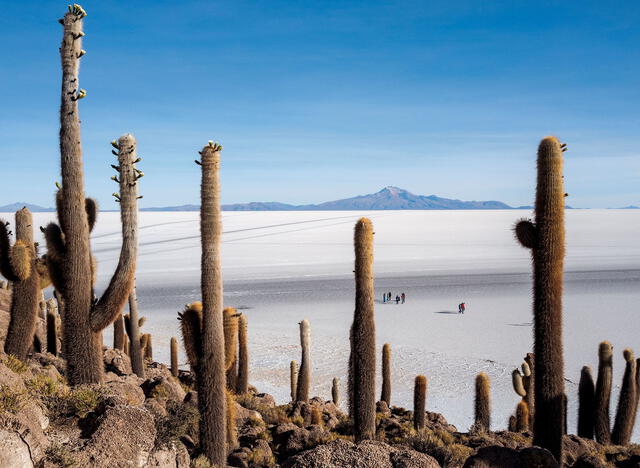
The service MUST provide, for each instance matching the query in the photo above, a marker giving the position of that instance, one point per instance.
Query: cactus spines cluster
(211, 379)
(335, 391)
(483, 402)
(242, 383)
(386, 374)
(304, 373)
(603, 393)
(69, 257)
(625, 415)
(173, 344)
(522, 417)
(230, 327)
(419, 402)
(362, 360)
(293, 379)
(546, 239)
(18, 265)
(586, 404)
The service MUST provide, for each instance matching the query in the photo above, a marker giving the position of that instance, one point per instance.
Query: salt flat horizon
(281, 267)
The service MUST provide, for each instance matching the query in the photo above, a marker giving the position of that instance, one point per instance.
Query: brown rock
(117, 362)
(173, 456)
(164, 387)
(503, 457)
(368, 454)
(132, 394)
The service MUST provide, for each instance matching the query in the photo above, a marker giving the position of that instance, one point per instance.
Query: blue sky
(315, 101)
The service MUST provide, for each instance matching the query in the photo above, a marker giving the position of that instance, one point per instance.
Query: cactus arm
(6, 268)
(21, 258)
(121, 284)
(525, 232)
(518, 386)
(191, 327)
(91, 207)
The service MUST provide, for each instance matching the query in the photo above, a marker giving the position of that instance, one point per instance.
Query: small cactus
(293, 379)
(623, 425)
(335, 391)
(483, 402)
(148, 347)
(230, 327)
(174, 356)
(419, 402)
(586, 404)
(603, 393)
(242, 384)
(304, 373)
(386, 374)
(316, 416)
(118, 333)
(522, 417)
(52, 333)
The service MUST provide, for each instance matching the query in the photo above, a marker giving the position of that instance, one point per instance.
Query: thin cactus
(483, 402)
(133, 330)
(293, 379)
(335, 391)
(18, 265)
(304, 373)
(603, 393)
(174, 356)
(231, 430)
(242, 384)
(512, 424)
(230, 327)
(148, 347)
(522, 417)
(419, 402)
(586, 404)
(386, 374)
(623, 425)
(118, 333)
(52, 333)
(362, 372)
(546, 239)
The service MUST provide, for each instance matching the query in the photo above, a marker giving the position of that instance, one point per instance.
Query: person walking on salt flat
(402, 297)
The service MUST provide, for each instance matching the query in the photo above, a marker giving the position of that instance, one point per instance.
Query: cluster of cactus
(594, 400)
(546, 238)
(523, 385)
(21, 265)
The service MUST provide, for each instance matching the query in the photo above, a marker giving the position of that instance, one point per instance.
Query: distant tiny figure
(389, 296)
(462, 307)
(397, 299)
(402, 296)
(384, 297)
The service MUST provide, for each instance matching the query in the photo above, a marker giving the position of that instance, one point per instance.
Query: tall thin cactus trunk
(174, 356)
(135, 351)
(242, 384)
(603, 393)
(293, 379)
(419, 402)
(304, 373)
(386, 374)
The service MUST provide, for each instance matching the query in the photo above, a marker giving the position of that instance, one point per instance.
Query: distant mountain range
(389, 198)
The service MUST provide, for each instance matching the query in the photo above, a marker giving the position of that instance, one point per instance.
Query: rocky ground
(153, 422)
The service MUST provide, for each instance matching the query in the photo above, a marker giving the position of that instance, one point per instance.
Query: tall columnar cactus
(483, 402)
(174, 356)
(419, 402)
(211, 381)
(362, 372)
(386, 374)
(148, 347)
(623, 425)
(293, 379)
(133, 323)
(230, 327)
(242, 384)
(118, 333)
(603, 393)
(586, 404)
(304, 373)
(18, 265)
(335, 391)
(545, 237)
(522, 417)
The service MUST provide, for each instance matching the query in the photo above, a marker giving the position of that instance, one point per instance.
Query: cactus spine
(211, 380)
(304, 373)
(419, 402)
(335, 391)
(546, 240)
(118, 333)
(174, 356)
(483, 402)
(522, 417)
(242, 385)
(362, 372)
(603, 393)
(386, 374)
(586, 404)
(623, 425)
(293, 379)
(18, 265)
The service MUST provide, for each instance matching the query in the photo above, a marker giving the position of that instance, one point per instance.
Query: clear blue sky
(315, 101)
